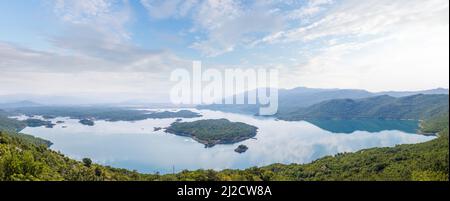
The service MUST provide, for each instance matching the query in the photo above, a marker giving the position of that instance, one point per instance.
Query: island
(168, 114)
(241, 149)
(38, 123)
(87, 122)
(112, 114)
(213, 131)
(48, 117)
(157, 129)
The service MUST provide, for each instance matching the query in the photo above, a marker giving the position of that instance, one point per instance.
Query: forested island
(87, 122)
(241, 149)
(38, 123)
(213, 131)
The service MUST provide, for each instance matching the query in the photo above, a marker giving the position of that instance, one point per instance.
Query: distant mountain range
(294, 99)
(417, 107)
(308, 103)
(19, 104)
(83, 99)
(409, 93)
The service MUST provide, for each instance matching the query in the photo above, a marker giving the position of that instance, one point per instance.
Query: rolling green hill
(380, 107)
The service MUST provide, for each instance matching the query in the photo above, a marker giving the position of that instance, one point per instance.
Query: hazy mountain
(19, 104)
(409, 93)
(419, 106)
(303, 97)
(83, 98)
(293, 99)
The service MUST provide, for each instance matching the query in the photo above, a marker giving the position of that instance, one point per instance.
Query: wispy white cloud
(94, 53)
(225, 24)
(22, 59)
(229, 25)
(108, 16)
(312, 8)
(96, 36)
(368, 18)
(375, 45)
(347, 43)
(161, 9)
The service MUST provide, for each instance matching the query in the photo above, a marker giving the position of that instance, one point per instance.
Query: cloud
(354, 18)
(93, 87)
(31, 71)
(377, 46)
(108, 16)
(221, 25)
(93, 54)
(22, 59)
(312, 8)
(94, 39)
(162, 9)
(230, 25)
(318, 43)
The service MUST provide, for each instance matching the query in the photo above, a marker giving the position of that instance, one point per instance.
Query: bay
(136, 146)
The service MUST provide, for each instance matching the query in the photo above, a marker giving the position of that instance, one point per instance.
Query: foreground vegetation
(23, 157)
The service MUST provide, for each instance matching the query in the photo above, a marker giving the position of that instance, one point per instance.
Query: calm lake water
(136, 146)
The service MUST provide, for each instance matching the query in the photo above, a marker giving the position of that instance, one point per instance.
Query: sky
(129, 47)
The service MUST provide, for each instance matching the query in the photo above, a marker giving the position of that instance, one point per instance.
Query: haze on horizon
(109, 49)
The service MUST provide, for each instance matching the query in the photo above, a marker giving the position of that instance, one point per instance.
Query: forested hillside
(380, 107)
(9, 124)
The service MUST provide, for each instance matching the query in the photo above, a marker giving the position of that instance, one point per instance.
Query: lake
(136, 146)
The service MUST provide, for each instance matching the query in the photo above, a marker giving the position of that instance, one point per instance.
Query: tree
(87, 162)
(98, 171)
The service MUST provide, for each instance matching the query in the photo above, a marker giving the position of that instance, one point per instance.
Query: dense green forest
(24, 157)
(213, 131)
(9, 124)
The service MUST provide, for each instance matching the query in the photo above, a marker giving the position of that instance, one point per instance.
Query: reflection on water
(369, 125)
(135, 145)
